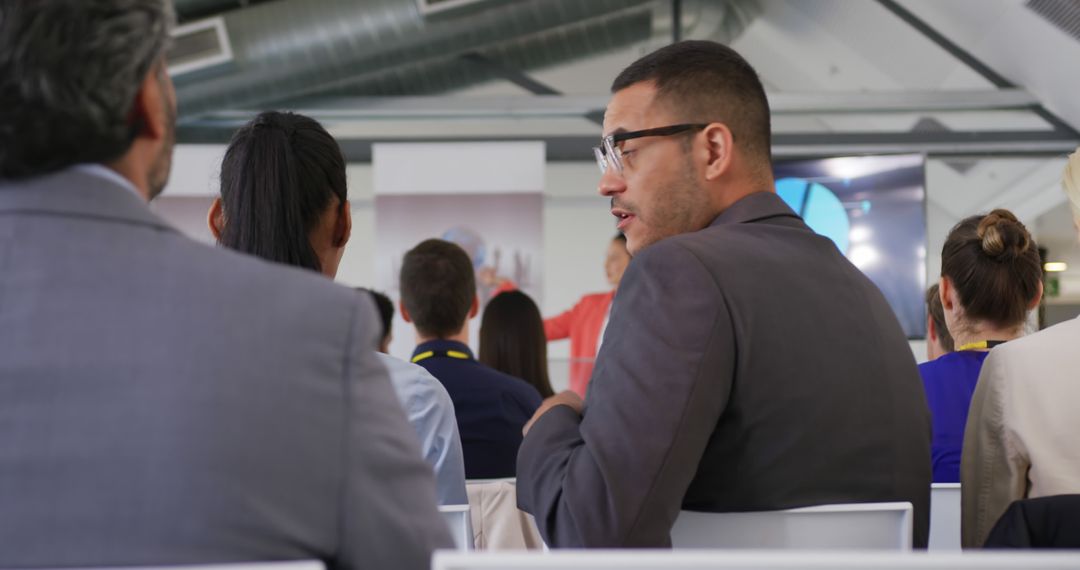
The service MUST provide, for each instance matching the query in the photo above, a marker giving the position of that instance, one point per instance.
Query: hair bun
(1002, 235)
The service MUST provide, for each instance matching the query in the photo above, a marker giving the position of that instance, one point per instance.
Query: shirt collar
(754, 207)
(443, 345)
(109, 174)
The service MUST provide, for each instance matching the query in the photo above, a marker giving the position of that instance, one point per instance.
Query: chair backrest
(746, 559)
(944, 516)
(281, 565)
(885, 526)
(459, 519)
(497, 522)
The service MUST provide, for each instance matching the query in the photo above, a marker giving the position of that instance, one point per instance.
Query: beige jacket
(1020, 438)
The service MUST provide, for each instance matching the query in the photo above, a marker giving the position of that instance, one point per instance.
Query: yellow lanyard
(433, 353)
(980, 345)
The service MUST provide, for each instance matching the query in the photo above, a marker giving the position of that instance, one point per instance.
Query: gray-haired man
(162, 402)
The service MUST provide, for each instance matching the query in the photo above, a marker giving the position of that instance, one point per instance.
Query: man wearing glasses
(747, 365)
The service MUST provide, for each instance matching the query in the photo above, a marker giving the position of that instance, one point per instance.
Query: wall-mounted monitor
(873, 208)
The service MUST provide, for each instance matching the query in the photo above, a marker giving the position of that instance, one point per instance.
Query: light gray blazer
(163, 402)
(1020, 439)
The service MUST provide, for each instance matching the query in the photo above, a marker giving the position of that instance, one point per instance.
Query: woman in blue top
(991, 276)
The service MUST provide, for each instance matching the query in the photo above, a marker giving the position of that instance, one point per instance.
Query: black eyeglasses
(608, 144)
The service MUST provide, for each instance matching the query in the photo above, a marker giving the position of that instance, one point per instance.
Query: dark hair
(386, 311)
(703, 81)
(937, 314)
(280, 174)
(437, 287)
(994, 265)
(619, 237)
(512, 339)
(69, 74)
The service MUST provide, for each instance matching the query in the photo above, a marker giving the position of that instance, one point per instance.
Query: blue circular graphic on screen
(819, 208)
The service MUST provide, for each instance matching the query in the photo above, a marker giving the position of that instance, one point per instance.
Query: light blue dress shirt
(431, 413)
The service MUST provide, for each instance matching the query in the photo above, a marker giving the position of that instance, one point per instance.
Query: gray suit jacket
(747, 366)
(163, 402)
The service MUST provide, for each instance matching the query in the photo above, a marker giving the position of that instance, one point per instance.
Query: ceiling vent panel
(198, 46)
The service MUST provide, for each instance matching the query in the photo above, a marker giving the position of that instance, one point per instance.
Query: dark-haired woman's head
(991, 273)
(512, 339)
(616, 259)
(283, 193)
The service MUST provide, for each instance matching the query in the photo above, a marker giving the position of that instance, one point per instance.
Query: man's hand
(564, 398)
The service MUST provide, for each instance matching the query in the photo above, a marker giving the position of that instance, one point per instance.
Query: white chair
(851, 526)
(754, 560)
(459, 519)
(497, 522)
(281, 565)
(944, 516)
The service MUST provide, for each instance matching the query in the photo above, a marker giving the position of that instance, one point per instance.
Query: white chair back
(944, 516)
(459, 519)
(753, 560)
(497, 522)
(885, 526)
(280, 565)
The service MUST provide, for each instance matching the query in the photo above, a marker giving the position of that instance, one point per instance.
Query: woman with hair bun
(991, 276)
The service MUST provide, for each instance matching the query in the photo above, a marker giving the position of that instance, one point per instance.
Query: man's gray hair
(69, 73)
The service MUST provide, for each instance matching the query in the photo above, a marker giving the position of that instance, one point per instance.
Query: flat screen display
(873, 208)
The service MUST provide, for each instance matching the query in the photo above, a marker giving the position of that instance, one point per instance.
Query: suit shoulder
(1057, 339)
(238, 273)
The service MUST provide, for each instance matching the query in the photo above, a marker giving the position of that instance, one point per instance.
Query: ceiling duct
(531, 51)
(188, 10)
(293, 48)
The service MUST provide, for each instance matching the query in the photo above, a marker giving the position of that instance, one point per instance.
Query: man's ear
(718, 150)
(931, 330)
(343, 225)
(215, 219)
(475, 308)
(404, 312)
(148, 111)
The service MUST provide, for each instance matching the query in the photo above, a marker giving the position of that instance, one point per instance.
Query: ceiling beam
(525, 106)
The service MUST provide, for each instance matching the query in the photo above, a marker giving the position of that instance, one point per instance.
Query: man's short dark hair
(937, 313)
(69, 73)
(702, 82)
(386, 311)
(437, 287)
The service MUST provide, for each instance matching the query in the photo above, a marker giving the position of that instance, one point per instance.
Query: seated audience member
(1020, 440)
(164, 402)
(938, 339)
(438, 295)
(991, 275)
(585, 322)
(386, 313)
(283, 198)
(748, 365)
(512, 340)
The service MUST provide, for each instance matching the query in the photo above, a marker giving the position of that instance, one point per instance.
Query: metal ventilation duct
(531, 51)
(293, 48)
